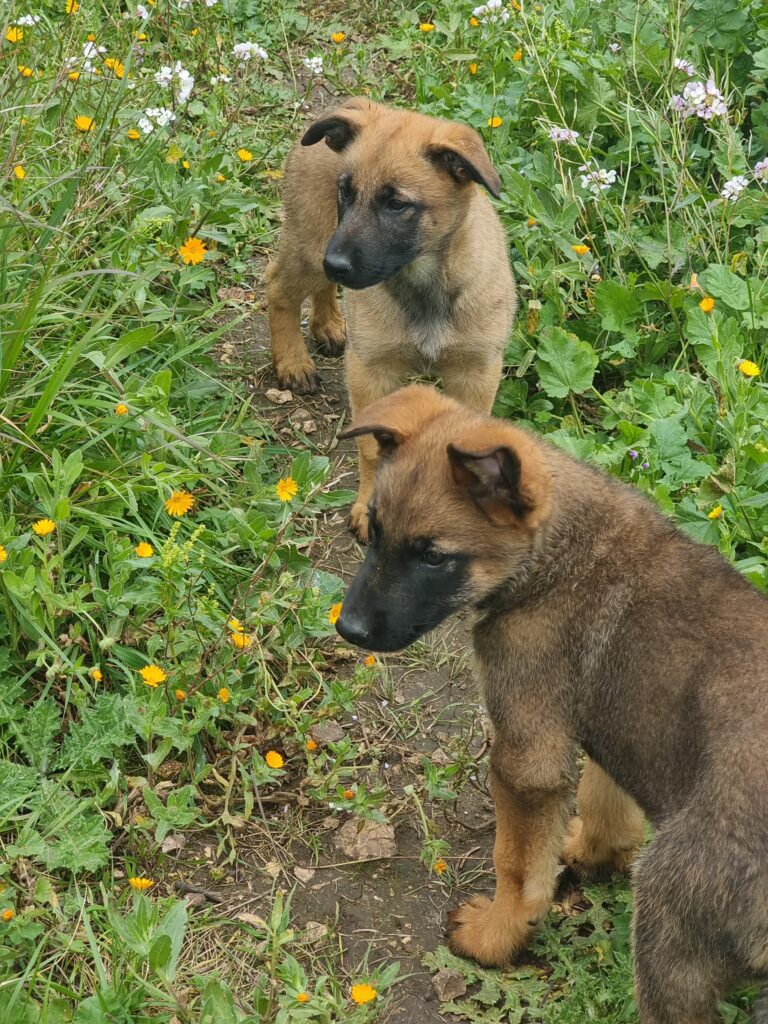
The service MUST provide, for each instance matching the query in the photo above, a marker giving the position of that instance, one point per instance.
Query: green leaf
(36, 732)
(726, 286)
(618, 306)
(565, 365)
(105, 728)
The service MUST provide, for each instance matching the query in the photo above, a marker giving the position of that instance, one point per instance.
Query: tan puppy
(602, 627)
(389, 204)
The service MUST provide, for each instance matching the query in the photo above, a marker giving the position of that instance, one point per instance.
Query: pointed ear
(400, 416)
(496, 481)
(338, 127)
(459, 150)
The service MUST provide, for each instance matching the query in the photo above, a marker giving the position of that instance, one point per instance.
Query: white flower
(491, 12)
(596, 179)
(211, 3)
(686, 66)
(186, 85)
(142, 12)
(614, 47)
(184, 4)
(164, 76)
(761, 170)
(313, 64)
(160, 115)
(246, 51)
(27, 20)
(702, 99)
(733, 188)
(221, 78)
(92, 50)
(563, 134)
(146, 125)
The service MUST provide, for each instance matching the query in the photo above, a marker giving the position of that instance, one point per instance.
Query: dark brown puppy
(601, 626)
(390, 204)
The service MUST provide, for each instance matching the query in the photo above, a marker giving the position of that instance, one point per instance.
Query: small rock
(314, 931)
(366, 840)
(309, 426)
(304, 874)
(272, 868)
(254, 919)
(449, 984)
(175, 841)
(327, 732)
(278, 397)
(440, 758)
(330, 823)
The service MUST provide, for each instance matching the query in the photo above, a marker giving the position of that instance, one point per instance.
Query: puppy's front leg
(530, 823)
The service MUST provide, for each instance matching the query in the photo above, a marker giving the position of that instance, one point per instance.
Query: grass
(115, 395)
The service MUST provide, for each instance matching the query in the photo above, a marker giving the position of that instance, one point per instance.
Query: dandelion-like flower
(14, 34)
(180, 694)
(115, 66)
(334, 613)
(495, 121)
(84, 123)
(733, 188)
(244, 156)
(563, 134)
(144, 550)
(311, 745)
(473, 68)
(684, 65)
(240, 641)
(19, 172)
(179, 503)
(426, 27)
(338, 37)
(361, 994)
(748, 368)
(96, 675)
(193, 251)
(313, 64)
(440, 867)
(596, 179)
(287, 488)
(72, 7)
(140, 884)
(8, 915)
(121, 409)
(302, 997)
(25, 71)
(348, 794)
(707, 304)
(3, 554)
(247, 51)
(370, 661)
(133, 134)
(43, 527)
(274, 760)
(517, 55)
(580, 250)
(152, 675)
(715, 513)
(223, 695)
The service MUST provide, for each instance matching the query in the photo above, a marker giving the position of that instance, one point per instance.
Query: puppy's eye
(397, 205)
(433, 557)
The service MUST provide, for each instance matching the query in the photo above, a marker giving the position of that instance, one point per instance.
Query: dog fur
(390, 204)
(599, 626)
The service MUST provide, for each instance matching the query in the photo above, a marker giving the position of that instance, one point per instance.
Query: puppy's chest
(428, 311)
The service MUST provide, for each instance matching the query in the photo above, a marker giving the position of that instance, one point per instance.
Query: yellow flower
(43, 527)
(73, 76)
(287, 488)
(363, 994)
(91, 37)
(141, 36)
(303, 997)
(473, 68)
(426, 26)
(185, 164)
(96, 675)
(338, 37)
(516, 5)
(8, 915)
(14, 34)
(83, 123)
(517, 55)
(349, 794)
(473, 21)
(115, 66)
(531, 222)
(133, 134)
(140, 883)
(245, 155)
(440, 866)
(144, 550)
(707, 304)
(193, 251)
(152, 675)
(19, 172)
(179, 503)
(24, 71)
(334, 613)
(495, 122)
(236, 626)
(311, 745)
(273, 759)
(3, 554)
(580, 250)
(121, 409)
(194, 31)
(715, 513)
(72, 7)
(220, 178)
(223, 695)
(748, 368)
(370, 661)
(179, 694)
(240, 640)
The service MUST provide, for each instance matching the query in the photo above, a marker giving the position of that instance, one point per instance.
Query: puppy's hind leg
(326, 324)
(609, 831)
(294, 367)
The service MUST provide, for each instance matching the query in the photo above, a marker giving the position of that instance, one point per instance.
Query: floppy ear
(338, 127)
(494, 480)
(399, 416)
(460, 151)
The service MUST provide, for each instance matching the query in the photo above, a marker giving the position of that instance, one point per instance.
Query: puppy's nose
(353, 629)
(337, 266)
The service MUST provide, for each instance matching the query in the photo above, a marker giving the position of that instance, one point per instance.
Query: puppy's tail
(760, 1009)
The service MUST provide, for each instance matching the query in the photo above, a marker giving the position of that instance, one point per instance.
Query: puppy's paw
(330, 335)
(358, 521)
(487, 932)
(590, 858)
(300, 376)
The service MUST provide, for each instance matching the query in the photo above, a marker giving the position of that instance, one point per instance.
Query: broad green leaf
(565, 364)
